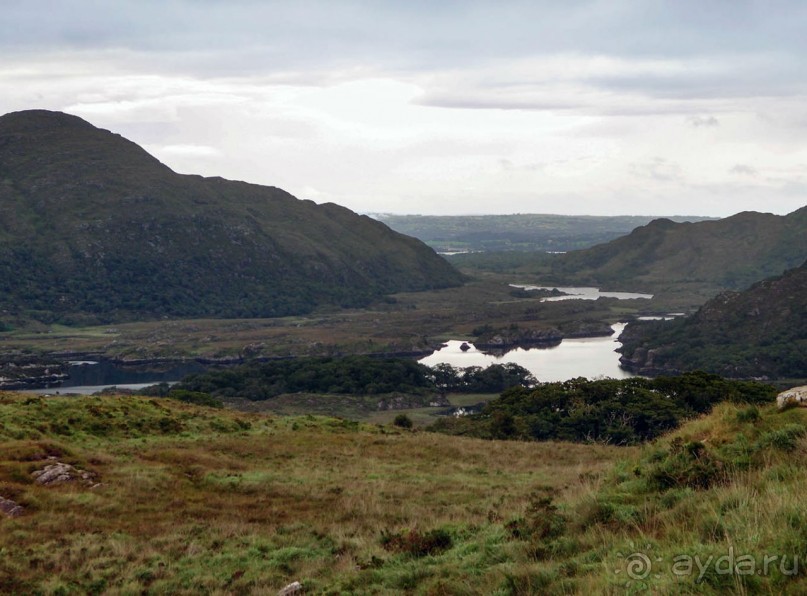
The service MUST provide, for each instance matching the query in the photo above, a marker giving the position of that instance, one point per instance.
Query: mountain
(730, 253)
(523, 232)
(91, 224)
(761, 331)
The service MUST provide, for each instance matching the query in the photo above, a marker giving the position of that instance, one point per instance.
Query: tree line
(354, 375)
(622, 412)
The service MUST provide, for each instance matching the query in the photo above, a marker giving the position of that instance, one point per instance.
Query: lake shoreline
(62, 360)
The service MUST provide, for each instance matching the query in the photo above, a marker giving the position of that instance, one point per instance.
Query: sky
(603, 107)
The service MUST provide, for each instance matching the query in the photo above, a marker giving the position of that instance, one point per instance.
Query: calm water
(583, 293)
(589, 357)
(88, 377)
(90, 389)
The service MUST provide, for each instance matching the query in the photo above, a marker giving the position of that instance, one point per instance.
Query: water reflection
(582, 293)
(590, 357)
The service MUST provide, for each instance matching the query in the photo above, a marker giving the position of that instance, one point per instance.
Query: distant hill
(91, 224)
(730, 253)
(518, 232)
(761, 331)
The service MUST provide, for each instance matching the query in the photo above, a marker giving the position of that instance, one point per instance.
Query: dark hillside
(761, 331)
(92, 225)
(730, 253)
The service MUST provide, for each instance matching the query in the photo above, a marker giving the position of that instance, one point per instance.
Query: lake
(590, 357)
(582, 293)
(88, 377)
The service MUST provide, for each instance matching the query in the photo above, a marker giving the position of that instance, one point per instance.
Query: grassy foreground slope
(193, 500)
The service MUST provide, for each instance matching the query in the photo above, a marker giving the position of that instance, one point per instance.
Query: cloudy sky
(451, 107)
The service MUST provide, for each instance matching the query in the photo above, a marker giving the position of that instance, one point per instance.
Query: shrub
(402, 421)
(195, 397)
(686, 465)
(785, 438)
(750, 414)
(502, 425)
(541, 520)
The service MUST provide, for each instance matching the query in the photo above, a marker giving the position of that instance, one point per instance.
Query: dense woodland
(355, 375)
(621, 412)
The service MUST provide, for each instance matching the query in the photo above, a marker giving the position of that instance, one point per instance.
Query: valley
(408, 324)
(298, 420)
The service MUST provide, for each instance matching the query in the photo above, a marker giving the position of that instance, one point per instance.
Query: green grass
(195, 500)
(199, 500)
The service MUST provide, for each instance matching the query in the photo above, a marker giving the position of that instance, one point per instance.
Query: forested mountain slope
(92, 225)
(730, 253)
(759, 332)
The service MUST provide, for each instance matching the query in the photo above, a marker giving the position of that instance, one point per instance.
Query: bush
(750, 414)
(195, 397)
(541, 520)
(785, 438)
(687, 465)
(402, 421)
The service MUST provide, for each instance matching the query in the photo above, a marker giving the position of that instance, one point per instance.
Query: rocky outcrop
(797, 396)
(59, 473)
(292, 588)
(10, 508)
(643, 361)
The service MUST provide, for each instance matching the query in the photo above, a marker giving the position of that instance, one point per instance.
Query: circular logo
(638, 566)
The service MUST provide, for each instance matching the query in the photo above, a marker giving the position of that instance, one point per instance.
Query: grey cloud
(483, 99)
(744, 170)
(708, 121)
(406, 35)
(752, 50)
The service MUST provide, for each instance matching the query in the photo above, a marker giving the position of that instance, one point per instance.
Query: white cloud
(583, 106)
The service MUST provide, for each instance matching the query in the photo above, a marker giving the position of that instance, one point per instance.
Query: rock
(512, 338)
(59, 473)
(292, 588)
(10, 508)
(797, 396)
(465, 347)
